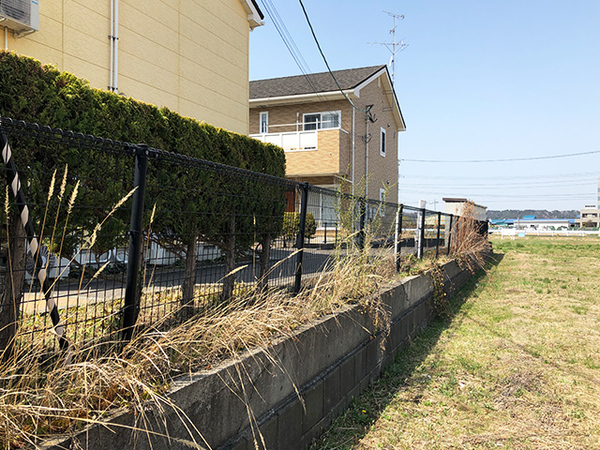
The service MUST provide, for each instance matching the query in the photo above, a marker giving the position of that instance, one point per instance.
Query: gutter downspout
(353, 146)
(367, 156)
(111, 38)
(116, 68)
(6, 38)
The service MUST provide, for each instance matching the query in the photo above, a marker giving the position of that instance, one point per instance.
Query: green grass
(514, 365)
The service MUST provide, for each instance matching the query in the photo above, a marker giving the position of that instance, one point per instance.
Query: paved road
(112, 286)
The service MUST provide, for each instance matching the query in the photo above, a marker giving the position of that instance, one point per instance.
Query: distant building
(455, 206)
(589, 216)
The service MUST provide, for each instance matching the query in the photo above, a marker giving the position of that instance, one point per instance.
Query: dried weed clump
(469, 245)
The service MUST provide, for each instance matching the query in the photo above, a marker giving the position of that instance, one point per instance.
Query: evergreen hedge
(42, 94)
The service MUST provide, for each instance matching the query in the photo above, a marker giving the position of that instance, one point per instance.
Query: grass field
(515, 364)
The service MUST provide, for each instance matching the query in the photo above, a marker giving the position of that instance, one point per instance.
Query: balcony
(319, 157)
(292, 140)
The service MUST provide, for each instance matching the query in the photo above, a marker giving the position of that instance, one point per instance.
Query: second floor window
(264, 122)
(319, 121)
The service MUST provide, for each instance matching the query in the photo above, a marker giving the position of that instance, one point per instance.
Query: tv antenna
(394, 46)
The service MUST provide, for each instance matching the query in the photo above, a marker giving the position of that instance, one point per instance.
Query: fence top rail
(46, 134)
(49, 135)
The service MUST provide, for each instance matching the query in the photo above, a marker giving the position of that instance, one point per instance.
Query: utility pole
(394, 46)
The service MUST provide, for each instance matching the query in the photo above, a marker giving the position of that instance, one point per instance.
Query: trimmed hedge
(251, 209)
(39, 93)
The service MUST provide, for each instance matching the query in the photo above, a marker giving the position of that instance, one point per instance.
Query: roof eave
(255, 15)
(391, 95)
(300, 98)
(337, 95)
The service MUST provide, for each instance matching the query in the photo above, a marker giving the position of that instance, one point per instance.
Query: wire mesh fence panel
(322, 230)
(430, 232)
(381, 223)
(410, 230)
(209, 233)
(213, 232)
(76, 189)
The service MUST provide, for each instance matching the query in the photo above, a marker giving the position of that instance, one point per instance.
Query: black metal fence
(131, 234)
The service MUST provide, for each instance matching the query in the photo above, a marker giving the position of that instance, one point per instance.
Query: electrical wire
(327, 64)
(533, 158)
(576, 175)
(290, 44)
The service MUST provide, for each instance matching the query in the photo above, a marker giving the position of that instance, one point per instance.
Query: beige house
(590, 215)
(190, 56)
(330, 135)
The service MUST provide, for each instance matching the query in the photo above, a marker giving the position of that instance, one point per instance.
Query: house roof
(311, 83)
(461, 200)
(322, 86)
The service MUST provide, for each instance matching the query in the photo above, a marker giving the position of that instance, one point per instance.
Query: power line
(534, 158)
(488, 186)
(326, 63)
(576, 175)
(290, 44)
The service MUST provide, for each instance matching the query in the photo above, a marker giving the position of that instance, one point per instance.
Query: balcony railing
(292, 140)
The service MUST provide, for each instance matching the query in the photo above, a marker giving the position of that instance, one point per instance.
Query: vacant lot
(515, 363)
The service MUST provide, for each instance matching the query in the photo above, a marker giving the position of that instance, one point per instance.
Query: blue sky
(479, 80)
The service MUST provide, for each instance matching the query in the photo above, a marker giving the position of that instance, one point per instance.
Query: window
(264, 122)
(320, 121)
(382, 142)
(382, 200)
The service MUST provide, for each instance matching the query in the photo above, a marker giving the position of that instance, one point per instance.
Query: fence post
(450, 233)
(325, 233)
(360, 238)
(398, 246)
(134, 255)
(12, 179)
(437, 239)
(421, 235)
(300, 241)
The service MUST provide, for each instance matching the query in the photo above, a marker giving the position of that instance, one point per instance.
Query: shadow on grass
(355, 422)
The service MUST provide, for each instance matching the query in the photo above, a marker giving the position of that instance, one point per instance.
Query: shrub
(291, 226)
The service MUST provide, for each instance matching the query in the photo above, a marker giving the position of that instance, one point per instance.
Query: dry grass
(468, 245)
(41, 396)
(516, 365)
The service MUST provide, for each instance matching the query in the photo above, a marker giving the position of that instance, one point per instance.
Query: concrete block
(270, 433)
(313, 401)
(360, 364)
(333, 390)
(372, 354)
(355, 392)
(330, 361)
(289, 426)
(347, 375)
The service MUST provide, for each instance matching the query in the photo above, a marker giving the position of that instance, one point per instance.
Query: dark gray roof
(311, 83)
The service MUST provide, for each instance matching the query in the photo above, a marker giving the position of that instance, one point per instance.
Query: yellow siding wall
(326, 159)
(188, 55)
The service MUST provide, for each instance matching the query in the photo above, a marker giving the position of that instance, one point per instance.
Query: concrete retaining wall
(326, 365)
